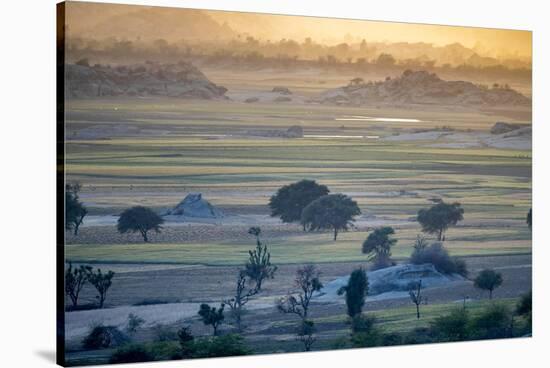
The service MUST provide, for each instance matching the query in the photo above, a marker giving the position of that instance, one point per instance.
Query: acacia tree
(416, 297)
(101, 282)
(74, 209)
(258, 267)
(378, 245)
(75, 279)
(438, 218)
(290, 200)
(307, 283)
(356, 290)
(212, 316)
(488, 280)
(139, 219)
(334, 212)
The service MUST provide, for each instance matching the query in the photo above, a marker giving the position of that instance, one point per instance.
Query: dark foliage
(378, 245)
(290, 200)
(488, 280)
(438, 218)
(305, 334)
(133, 353)
(452, 327)
(334, 212)
(74, 209)
(494, 322)
(437, 255)
(102, 282)
(258, 267)
(75, 279)
(221, 346)
(212, 316)
(529, 219)
(139, 219)
(356, 290)
(102, 337)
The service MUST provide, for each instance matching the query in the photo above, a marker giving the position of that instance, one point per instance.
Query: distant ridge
(422, 87)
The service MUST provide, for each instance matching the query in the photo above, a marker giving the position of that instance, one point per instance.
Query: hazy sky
(505, 41)
(90, 18)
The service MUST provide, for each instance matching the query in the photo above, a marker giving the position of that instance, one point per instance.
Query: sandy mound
(422, 87)
(391, 280)
(181, 80)
(194, 205)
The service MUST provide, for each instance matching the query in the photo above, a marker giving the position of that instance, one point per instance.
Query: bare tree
(416, 298)
(242, 296)
(75, 279)
(307, 283)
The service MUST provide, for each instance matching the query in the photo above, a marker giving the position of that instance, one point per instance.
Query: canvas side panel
(60, 184)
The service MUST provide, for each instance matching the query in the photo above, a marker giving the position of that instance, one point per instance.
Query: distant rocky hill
(181, 80)
(422, 87)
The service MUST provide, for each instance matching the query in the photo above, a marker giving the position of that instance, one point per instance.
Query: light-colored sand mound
(194, 205)
(392, 281)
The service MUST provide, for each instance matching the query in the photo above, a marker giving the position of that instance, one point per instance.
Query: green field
(390, 180)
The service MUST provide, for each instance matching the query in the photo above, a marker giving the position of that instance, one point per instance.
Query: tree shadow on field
(48, 355)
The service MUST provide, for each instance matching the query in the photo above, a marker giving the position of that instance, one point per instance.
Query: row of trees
(305, 202)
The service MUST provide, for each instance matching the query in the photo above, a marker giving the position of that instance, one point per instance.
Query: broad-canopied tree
(438, 218)
(290, 200)
(488, 280)
(334, 212)
(139, 219)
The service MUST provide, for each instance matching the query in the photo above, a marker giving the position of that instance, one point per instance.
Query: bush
(420, 335)
(392, 339)
(101, 337)
(362, 323)
(134, 323)
(437, 255)
(133, 353)
(452, 327)
(165, 350)
(153, 301)
(164, 333)
(493, 323)
(227, 345)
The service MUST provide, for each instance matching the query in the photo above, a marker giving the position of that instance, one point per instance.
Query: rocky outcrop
(392, 279)
(422, 87)
(181, 80)
(194, 205)
(501, 127)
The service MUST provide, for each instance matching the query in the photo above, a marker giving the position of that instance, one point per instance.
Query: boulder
(194, 205)
(502, 127)
(281, 90)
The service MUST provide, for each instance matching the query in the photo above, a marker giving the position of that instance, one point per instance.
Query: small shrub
(226, 345)
(452, 327)
(133, 353)
(362, 323)
(420, 335)
(165, 350)
(392, 339)
(101, 337)
(134, 323)
(437, 255)
(493, 323)
(164, 333)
